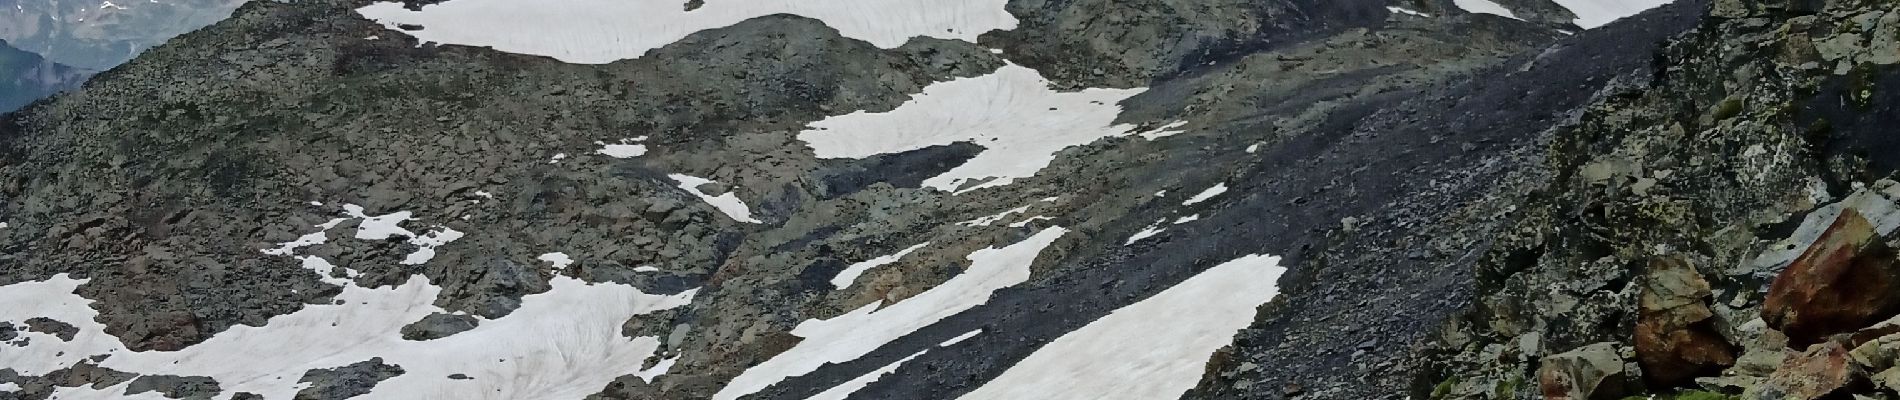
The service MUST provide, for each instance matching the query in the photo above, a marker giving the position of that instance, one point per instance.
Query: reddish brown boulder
(1822, 370)
(1846, 280)
(1676, 340)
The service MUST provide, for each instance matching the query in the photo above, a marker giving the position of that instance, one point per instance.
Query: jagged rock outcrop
(1748, 162)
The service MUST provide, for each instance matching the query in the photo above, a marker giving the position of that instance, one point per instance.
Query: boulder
(1592, 372)
(1822, 370)
(1676, 340)
(1844, 281)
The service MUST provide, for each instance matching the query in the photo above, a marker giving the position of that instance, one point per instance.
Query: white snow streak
(1012, 113)
(1171, 129)
(727, 203)
(844, 390)
(850, 274)
(1030, 220)
(564, 343)
(986, 221)
(1144, 234)
(602, 31)
(1401, 10)
(960, 338)
(1177, 330)
(1206, 194)
(854, 334)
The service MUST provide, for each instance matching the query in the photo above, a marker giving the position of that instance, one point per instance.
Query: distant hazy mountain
(25, 77)
(100, 34)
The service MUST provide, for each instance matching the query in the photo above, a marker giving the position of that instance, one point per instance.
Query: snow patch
(1170, 129)
(1030, 220)
(1185, 323)
(851, 273)
(560, 260)
(1204, 195)
(1187, 219)
(986, 221)
(426, 244)
(1012, 113)
(727, 203)
(1145, 233)
(1485, 7)
(1402, 10)
(326, 271)
(290, 247)
(844, 390)
(1595, 13)
(854, 334)
(379, 227)
(960, 338)
(624, 149)
(564, 343)
(602, 31)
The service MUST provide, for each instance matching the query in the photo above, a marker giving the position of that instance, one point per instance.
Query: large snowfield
(1020, 122)
(603, 31)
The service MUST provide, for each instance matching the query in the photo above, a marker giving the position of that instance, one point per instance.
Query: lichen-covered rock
(1676, 340)
(1824, 369)
(1593, 372)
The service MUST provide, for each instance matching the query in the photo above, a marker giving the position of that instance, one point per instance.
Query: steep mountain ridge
(25, 77)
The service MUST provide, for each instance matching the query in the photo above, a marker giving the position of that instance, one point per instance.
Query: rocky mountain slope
(25, 77)
(1010, 199)
(1721, 232)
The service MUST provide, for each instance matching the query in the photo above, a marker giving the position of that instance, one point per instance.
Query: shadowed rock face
(98, 35)
(25, 77)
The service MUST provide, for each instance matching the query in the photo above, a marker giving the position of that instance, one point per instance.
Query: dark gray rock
(439, 325)
(60, 329)
(346, 381)
(177, 387)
